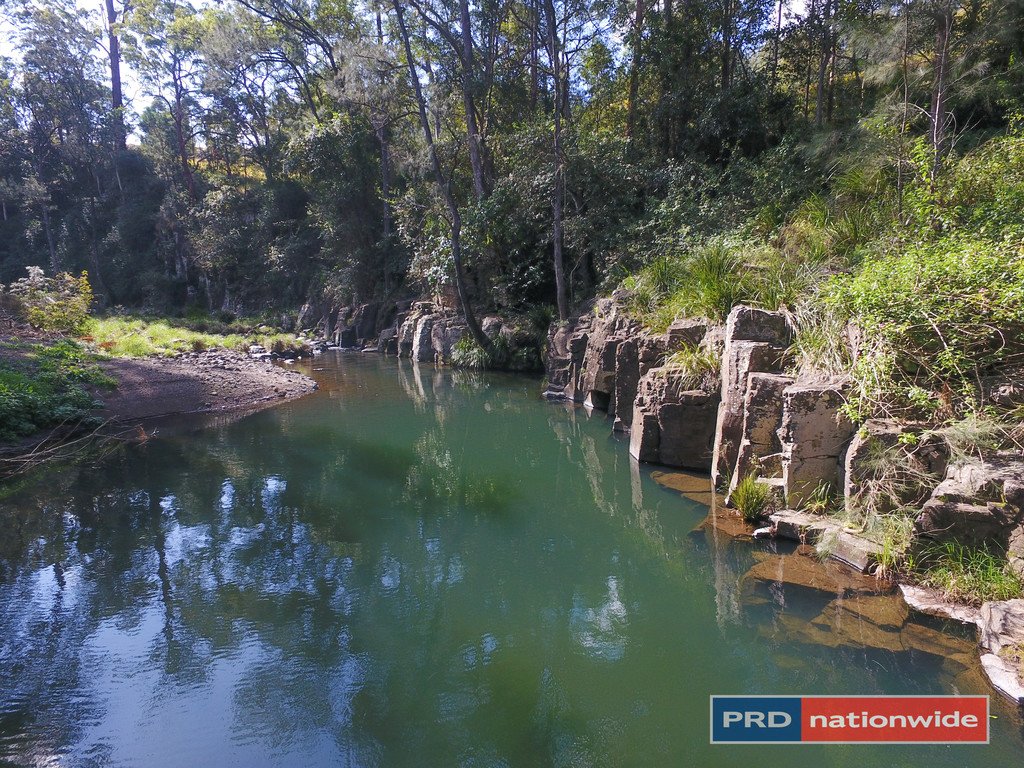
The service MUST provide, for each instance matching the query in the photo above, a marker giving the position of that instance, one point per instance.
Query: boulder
(739, 359)
(670, 425)
(422, 343)
(978, 503)
(814, 434)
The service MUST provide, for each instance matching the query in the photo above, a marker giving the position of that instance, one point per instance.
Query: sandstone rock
(693, 486)
(799, 526)
(844, 627)
(750, 324)
(739, 359)
(919, 467)
(670, 426)
(917, 637)
(828, 536)
(886, 611)
(759, 436)
(806, 573)
(1002, 625)
(422, 344)
(1004, 676)
(567, 346)
(814, 434)
(685, 332)
(406, 334)
(979, 503)
(931, 602)
(364, 320)
(387, 342)
(444, 335)
(1015, 550)
(491, 326)
(627, 379)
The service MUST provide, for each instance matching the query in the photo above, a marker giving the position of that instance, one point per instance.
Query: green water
(411, 567)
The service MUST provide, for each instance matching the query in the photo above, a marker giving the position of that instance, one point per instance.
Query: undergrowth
(47, 386)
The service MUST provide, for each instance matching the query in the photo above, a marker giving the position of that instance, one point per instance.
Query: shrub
(936, 317)
(47, 387)
(58, 304)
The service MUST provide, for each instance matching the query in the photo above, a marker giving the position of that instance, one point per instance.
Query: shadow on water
(420, 567)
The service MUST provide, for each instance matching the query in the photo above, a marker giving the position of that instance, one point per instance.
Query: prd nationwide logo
(849, 719)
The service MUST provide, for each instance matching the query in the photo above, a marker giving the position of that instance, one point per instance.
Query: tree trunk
(468, 88)
(775, 46)
(727, 45)
(937, 114)
(116, 97)
(558, 193)
(823, 60)
(55, 264)
(634, 70)
(443, 186)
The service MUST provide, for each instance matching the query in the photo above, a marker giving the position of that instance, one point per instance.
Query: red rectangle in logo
(907, 719)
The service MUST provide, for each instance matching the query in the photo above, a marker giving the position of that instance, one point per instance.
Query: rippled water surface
(410, 567)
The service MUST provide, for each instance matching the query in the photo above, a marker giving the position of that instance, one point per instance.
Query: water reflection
(411, 567)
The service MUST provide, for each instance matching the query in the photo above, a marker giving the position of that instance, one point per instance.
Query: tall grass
(138, 337)
(694, 368)
(753, 500)
(969, 575)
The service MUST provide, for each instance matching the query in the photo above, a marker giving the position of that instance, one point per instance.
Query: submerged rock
(806, 573)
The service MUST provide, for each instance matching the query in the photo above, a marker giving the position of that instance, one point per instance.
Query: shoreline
(197, 383)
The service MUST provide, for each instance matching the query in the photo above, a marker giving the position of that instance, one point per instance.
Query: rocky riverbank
(749, 416)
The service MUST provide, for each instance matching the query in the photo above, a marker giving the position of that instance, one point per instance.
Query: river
(411, 567)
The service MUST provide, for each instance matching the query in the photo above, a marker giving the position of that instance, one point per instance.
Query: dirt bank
(199, 382)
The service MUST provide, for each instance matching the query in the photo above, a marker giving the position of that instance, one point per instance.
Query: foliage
(694, 368)
(60, 304)
(967, 575)
(751, 498)
(47, 386)
(140, 337)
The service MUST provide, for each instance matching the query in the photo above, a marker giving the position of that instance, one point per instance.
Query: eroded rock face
(671, 425)
(422, 343)
(444, 335)
(760, 450)
(979, 503)
(814, 435)
(567, 345)
(1002, 639)
(755, 342)
(876, 456)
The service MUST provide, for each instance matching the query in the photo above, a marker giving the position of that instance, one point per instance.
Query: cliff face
(757, 420)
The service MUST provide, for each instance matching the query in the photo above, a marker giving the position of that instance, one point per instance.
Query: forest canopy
(499, 153)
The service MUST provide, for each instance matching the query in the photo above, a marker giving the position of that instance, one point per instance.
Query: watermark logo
(849, 719)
